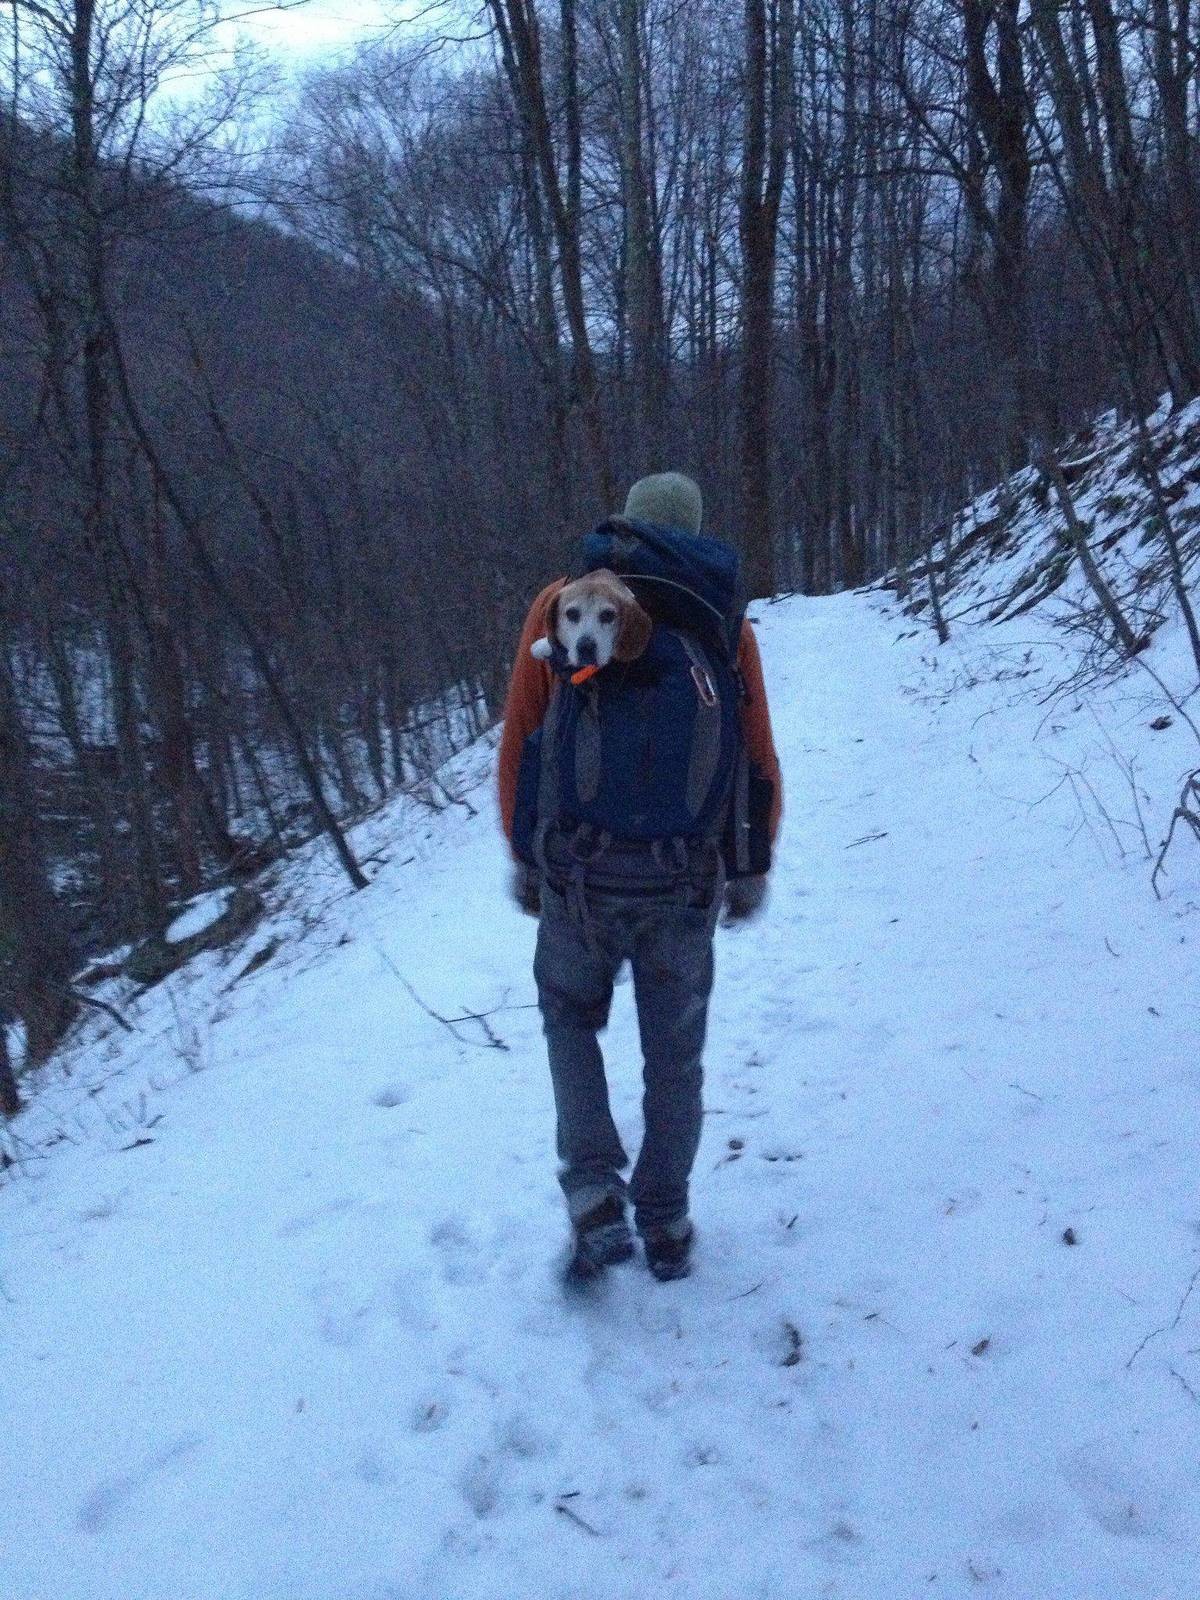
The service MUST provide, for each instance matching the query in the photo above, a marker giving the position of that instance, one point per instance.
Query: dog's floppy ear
(550, 622)
(636, 627)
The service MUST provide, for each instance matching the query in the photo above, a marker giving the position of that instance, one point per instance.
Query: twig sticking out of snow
(491, 1039)
(561, 1506)
(1167, 1327)
(1187, 1386)
(746, 1293)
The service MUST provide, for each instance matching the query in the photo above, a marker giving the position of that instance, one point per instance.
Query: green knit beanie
(667, 498)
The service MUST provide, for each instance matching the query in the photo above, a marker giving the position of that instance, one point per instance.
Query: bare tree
(34, 949)
(643, 286)
(770, 40)
(519, 32)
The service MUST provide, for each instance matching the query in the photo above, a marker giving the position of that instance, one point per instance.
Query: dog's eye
(608, 616)
(572, 613)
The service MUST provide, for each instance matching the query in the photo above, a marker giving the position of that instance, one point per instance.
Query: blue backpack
(651, 749)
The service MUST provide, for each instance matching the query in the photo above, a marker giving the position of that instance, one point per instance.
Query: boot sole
(676, 1262)
(604, 1247)
(669, 1271)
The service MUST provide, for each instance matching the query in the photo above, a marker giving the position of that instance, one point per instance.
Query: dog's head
(595, 619)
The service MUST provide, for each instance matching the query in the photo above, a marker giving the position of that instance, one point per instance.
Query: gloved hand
(744, 899)
(526, 889)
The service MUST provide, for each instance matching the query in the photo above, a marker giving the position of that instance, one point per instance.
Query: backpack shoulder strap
(547, 776)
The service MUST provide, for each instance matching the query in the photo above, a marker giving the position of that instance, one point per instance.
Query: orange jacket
(529, 695)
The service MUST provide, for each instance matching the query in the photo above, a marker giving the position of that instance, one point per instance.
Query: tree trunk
(10, 1095)
(997, 103)
(642, 287)
(33, 941)
(521, 50)
(766, 138)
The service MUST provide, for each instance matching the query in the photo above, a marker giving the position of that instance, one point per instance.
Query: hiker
(638, 799)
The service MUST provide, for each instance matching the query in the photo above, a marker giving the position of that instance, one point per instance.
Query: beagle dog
(591, 621)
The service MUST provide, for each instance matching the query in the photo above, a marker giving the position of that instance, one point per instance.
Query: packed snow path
(307, 1342)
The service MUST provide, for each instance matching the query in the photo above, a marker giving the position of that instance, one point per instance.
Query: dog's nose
(585, 649)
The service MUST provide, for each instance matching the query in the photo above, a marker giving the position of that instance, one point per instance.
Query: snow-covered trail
(307, 1344)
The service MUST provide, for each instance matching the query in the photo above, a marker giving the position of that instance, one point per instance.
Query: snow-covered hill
(1009, 553)
(278, 1298)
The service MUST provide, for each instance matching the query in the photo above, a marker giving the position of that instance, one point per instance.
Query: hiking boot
(600, 1238)
(669, 1249)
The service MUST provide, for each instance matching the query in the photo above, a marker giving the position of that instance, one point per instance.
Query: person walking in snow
(640, 791)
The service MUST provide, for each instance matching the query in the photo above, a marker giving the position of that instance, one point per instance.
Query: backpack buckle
(588, 844)
(677, 865)
(705, 687)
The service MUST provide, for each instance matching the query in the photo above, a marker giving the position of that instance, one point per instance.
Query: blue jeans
(580, 948)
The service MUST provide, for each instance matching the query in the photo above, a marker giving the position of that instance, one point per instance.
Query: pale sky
(320, 28)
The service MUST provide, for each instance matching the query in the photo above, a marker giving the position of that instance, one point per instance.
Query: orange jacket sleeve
(756, 722)
(528, 696)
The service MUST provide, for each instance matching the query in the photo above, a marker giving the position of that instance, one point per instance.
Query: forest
(309, 381)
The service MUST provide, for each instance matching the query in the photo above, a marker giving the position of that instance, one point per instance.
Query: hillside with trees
(307, 386)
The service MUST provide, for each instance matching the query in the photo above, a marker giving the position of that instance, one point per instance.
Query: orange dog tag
(583, 675)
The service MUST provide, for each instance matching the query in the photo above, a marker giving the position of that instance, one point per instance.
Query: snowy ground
(277, 1291)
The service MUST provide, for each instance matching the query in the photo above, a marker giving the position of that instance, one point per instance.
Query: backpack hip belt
(687, 869)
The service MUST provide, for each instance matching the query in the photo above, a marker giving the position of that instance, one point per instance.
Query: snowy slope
(306, 1343)
(1009, 552)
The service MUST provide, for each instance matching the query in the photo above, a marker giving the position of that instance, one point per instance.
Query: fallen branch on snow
(491, 1039)
(102, 1005)
(1167, 1327)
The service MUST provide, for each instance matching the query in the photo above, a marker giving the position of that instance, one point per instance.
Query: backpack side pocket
(525, 811)
(746, 845)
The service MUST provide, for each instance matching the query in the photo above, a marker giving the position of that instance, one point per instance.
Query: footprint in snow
(392, 1095)
(429, 1415)
(479, 1485)
(341, 1322)
(308, 1220)
(406, 1302)
(783, 1011)
(779, 1341)
(1027, 1523)
(839, 1540)
(372, 1468)
(112, 1496)
(461, 1252)
(1122, 1502)
(518, 1436)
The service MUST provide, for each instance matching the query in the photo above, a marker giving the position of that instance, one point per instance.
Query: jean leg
(673, 978)
(574, 977)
